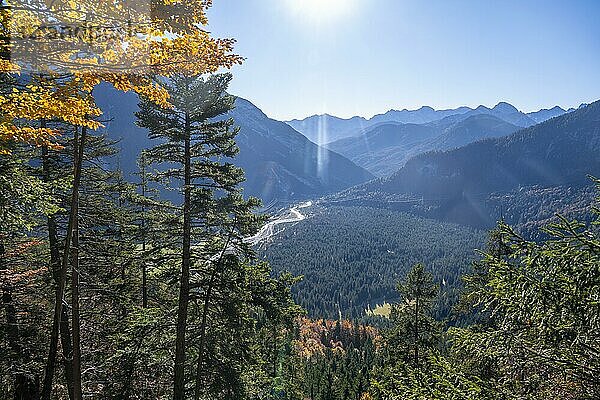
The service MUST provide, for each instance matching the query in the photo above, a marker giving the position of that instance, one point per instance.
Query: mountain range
(458, 158)
(326, 128)
(385, 148)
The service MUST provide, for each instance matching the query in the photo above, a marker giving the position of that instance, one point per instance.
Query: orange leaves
(16, 277)
(317, 336)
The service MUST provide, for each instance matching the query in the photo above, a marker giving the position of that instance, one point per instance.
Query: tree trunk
(207, 297)
(200, 361)
(77, 395)
(65, 330)
(144, 269)
(416, 332)
(184, 289)
(62, 276)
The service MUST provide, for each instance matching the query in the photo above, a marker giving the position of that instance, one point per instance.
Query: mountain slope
(280, 163)
(383, 149)
(472, 129)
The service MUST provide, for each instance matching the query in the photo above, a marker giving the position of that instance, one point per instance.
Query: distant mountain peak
(505, 107)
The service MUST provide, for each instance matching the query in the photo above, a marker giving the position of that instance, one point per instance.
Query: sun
(317, 11)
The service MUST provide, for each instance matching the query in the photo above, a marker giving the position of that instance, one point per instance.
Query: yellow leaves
(91, 41)
(38, 103)
(44, 100)
(97, 36)
(8, 67)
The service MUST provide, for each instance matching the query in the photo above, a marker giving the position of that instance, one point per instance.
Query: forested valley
(351, 258)
(146, 286)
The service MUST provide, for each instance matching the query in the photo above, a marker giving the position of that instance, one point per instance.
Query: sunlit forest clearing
(383, 310)
(163, 238)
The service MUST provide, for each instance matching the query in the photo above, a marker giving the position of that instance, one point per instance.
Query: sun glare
(321, 10)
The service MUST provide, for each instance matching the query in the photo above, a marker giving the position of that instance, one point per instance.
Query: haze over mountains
(385, 148)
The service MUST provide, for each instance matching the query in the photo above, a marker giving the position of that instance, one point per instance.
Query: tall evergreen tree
(213, 218)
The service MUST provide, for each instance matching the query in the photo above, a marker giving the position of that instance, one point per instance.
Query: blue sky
(363, 57)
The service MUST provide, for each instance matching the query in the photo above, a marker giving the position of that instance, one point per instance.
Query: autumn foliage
(318, 336)
(125, 44)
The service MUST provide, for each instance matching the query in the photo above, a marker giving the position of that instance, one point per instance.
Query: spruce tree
(415, 331)
(194, 157)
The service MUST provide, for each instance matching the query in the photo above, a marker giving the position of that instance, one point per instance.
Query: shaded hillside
(457, 185)
(280, 163)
